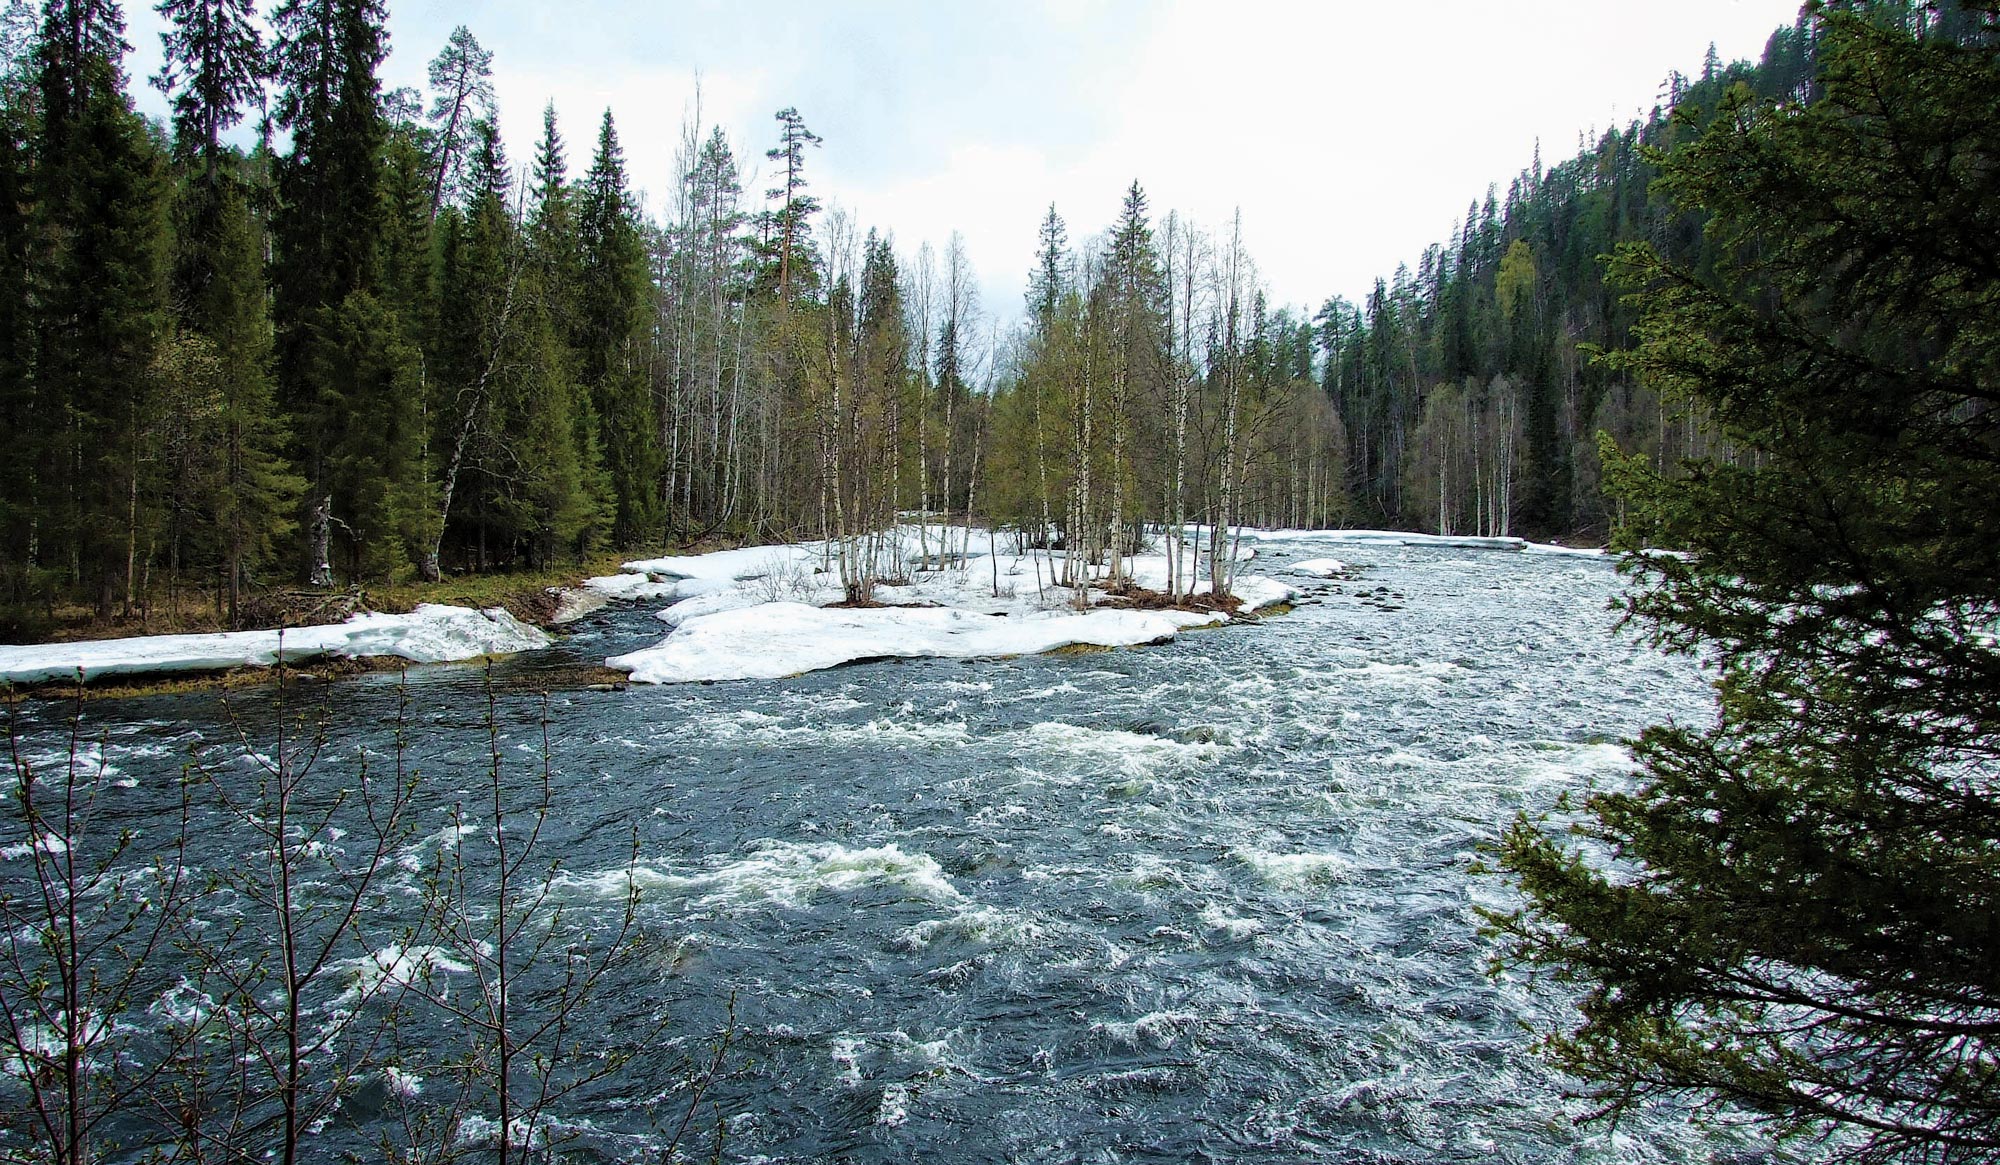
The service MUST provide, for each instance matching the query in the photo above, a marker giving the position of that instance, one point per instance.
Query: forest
(372, 346)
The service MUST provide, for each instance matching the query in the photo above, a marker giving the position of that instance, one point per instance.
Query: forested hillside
(1469, 386)
(374, 345)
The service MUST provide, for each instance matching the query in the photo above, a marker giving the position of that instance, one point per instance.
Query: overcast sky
(1351, 135)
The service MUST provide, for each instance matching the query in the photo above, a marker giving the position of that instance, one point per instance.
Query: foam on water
(879, 733)
(1293, 871)
(986, 926)
(787, 874)
(1132, 753)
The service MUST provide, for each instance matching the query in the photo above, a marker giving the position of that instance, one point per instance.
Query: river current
(1209, 901)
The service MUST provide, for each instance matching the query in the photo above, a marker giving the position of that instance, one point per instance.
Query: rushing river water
(1212, 901)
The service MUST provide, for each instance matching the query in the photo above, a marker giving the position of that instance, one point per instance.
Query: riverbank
(739, 613)
(191, 648)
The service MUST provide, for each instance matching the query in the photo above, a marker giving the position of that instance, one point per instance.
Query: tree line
(368, 346)
(1469, 385)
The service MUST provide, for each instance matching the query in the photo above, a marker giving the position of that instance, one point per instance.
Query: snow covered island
(763, 613)
(429, 634)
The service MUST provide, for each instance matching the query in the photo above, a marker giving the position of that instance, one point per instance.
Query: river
(1209, 901)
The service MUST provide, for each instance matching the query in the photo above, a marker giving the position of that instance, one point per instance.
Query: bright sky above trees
(1351, 135)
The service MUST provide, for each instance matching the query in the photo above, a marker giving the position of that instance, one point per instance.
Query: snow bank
(762, 612)
(1387, 538)
(773, 640)
(1255, 591)
(430, 634)
(633, 587)
(752, 562)
(573, 603)
(1320, 567)
(1567, 551)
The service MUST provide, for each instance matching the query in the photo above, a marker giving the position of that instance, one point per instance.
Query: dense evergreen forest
(373, 346)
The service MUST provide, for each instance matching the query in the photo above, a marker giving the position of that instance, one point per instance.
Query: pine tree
(788, 229)
(461, 80)
(1800, 920)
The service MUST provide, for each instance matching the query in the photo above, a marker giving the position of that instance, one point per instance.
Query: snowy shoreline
(765, 612)
(429, 634)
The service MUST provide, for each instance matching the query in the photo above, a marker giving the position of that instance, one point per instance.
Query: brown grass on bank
(1131, 596)
(188, 611)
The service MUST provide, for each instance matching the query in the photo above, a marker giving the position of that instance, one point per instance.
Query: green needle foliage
(1796, 911)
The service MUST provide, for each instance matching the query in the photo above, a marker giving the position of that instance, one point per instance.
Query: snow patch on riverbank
(773, 640)
(429, 634)
(1320, 567)
(763, 612)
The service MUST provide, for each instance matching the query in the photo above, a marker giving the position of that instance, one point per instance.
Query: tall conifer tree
(329, 292)
(610, 315)
(101, 296)
(213, 64)
(1801, 917)
(20, 491)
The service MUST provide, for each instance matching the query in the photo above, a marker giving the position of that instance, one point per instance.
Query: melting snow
(760, 613)
(430, 634)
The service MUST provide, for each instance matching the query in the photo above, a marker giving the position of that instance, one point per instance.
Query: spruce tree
(608, 339)
(1793, 909)
(555, 261)
(213, 64)
(330, 290)
(1050, 277)
(20, 415)
(408, 264)
(479, 284)
(101, 299)
(552, 227)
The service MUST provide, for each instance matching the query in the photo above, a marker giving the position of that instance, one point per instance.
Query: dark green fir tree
(101, 300)
(244, 497)
(330, 289)
(611, 364)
